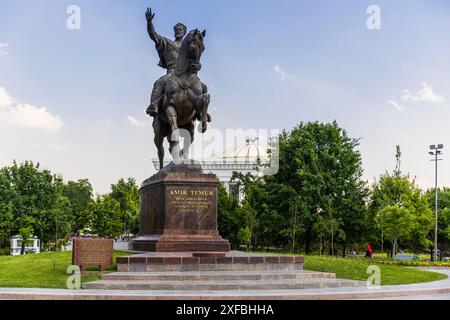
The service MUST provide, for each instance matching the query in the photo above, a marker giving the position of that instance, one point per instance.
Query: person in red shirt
(369, 251)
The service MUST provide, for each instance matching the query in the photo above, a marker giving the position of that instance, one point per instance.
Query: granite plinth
(179, 212)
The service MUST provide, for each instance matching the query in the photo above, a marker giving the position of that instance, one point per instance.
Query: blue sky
(268, 64)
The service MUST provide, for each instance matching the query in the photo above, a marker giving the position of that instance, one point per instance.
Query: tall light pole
(436, 151)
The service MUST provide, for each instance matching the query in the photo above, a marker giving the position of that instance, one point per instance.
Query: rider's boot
(152, 109)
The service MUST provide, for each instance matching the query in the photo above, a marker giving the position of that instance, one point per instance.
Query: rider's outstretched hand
(149, 15)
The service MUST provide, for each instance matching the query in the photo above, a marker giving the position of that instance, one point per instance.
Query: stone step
(215, 285)
(218, 276)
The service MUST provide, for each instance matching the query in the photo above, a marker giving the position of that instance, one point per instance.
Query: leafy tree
(79, 194)
(6, 225)
(26, 234)
(321, 230)
(256, 209)
(251, 221)
(60, 221)
(27, 191)
(127, 195)
(399, 211)
(105, 216)
(320, 163)
(318, 188)
(443, 217)
(229, 220)
(30, 195)
(290, 205)
(245, 236)
(397, 223)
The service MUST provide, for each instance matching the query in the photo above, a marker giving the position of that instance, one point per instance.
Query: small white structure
(32, 245)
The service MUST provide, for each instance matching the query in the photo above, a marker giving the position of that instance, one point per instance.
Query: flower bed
(416, 263)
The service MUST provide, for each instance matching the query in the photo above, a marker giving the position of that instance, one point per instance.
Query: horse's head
(191, 52)
(195, 44)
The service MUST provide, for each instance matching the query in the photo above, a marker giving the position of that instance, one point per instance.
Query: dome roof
(249, 152)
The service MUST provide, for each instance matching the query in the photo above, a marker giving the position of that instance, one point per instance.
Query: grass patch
(355, 269)
(42, 270)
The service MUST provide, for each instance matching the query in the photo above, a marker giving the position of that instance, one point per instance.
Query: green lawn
(43, 270)
(356, 268)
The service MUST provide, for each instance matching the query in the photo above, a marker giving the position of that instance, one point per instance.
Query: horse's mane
(183, 60)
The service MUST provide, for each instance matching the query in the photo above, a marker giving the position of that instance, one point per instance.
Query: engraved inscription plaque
(183, 200)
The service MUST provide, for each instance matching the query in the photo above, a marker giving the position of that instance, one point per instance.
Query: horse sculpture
(186, 99)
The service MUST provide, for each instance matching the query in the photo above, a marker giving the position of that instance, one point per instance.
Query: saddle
(184, 84)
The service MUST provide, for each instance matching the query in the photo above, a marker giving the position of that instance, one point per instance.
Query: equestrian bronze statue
(178, 98)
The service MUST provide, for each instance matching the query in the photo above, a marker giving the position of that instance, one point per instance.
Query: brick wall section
(92, 251)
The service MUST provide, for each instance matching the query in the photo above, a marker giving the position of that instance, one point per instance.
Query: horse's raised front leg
(205, 118)
(206, 100)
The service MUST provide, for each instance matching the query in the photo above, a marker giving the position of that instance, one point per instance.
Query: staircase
(220, 280)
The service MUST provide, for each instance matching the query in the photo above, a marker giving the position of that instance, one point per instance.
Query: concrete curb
(60, 294)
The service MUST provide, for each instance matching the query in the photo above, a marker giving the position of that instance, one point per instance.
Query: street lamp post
(436, 151)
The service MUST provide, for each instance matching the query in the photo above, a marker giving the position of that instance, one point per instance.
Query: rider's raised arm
(150, 27)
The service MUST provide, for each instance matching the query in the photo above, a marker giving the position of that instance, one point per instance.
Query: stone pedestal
(179, 212)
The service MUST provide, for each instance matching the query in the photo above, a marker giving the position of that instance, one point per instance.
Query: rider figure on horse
(179, 98)
(168, 52)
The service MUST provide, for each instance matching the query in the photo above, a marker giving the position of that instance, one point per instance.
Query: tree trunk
(344, 249)
(293, 242)
(320, 246)
(394, 248)
(22, 248)
(308, 241)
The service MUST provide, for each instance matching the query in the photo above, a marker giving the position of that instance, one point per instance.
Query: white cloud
(283, 75)
(396, 105)
(25, 115)
(280, 72)
(426, 94)
(29, 116)
(132, 121)
(5, 99)
(3, 48)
